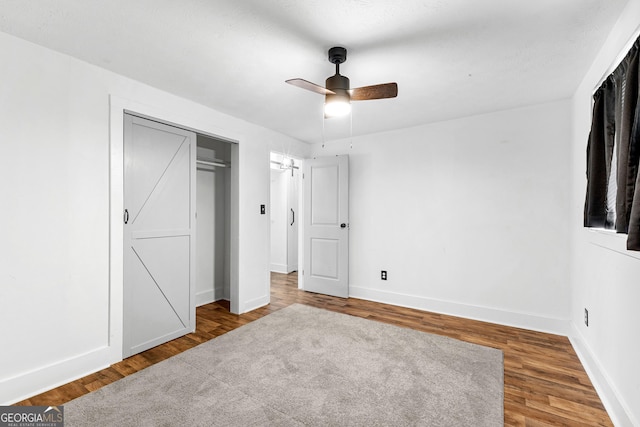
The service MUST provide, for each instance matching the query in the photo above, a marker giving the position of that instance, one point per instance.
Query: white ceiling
(450, 58)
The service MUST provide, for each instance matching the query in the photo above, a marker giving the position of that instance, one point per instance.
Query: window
(613, 153)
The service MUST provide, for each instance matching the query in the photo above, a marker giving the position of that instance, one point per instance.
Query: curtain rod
(619, 58)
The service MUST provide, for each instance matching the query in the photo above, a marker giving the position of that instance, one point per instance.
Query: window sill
(609, 239)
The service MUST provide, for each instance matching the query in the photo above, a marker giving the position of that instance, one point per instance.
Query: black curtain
(613, 152)
(633, 240)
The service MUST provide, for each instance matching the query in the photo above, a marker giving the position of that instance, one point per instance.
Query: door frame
(172, 117)
(299, 213)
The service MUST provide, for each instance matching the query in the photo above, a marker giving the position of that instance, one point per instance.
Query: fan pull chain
(323, 119)
(351, 130)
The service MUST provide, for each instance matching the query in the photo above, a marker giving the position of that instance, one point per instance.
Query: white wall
(605, 277)
(467, 216)
(55, 267)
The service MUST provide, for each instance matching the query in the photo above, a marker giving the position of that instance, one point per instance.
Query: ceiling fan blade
(385, 90)
(309, 86)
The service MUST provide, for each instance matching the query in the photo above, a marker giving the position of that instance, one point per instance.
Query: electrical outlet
(586, 317)
(383, 275)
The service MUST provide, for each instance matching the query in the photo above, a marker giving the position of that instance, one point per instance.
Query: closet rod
(217, 163)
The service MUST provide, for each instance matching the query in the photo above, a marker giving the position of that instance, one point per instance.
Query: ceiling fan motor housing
(337, 83)
(340, 85)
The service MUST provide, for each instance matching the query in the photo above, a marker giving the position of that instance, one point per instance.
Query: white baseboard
(485, 314)
(205, 297)
(45, 378)
(616, 407)
(279, 268)
(255, 303)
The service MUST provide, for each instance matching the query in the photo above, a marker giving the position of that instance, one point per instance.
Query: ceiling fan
(338, 94)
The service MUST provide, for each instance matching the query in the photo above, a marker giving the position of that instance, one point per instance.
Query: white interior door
(159, 233)
(326, 225)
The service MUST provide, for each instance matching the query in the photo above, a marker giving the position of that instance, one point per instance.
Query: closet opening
(213, 218)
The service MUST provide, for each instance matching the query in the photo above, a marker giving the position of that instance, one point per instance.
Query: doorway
(285, 200)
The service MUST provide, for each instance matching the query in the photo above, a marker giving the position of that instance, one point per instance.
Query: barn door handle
(293, 217)
(126, 216)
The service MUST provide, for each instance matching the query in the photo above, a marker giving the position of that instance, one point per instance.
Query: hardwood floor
(544, 382)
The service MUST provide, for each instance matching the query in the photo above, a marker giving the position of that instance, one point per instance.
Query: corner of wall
(612, 375)
(615, 405)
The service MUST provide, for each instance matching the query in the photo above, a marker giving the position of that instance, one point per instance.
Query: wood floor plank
(545, 383)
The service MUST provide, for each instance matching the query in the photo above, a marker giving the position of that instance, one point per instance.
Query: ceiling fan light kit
(336, 106)
(337, 92)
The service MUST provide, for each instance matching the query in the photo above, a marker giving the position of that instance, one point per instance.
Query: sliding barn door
(159, 233)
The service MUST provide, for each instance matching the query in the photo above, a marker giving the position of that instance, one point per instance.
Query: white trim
(485, 314)
(234, 241)
(205, 297)
(616, 407)
(255, 303)
(279, 268)
(118, 107)
(47, 377)
(609, 239)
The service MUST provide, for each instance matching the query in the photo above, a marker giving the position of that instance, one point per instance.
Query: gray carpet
(304, 366)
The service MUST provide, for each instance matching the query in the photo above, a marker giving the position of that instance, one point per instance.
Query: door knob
(343, 225)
